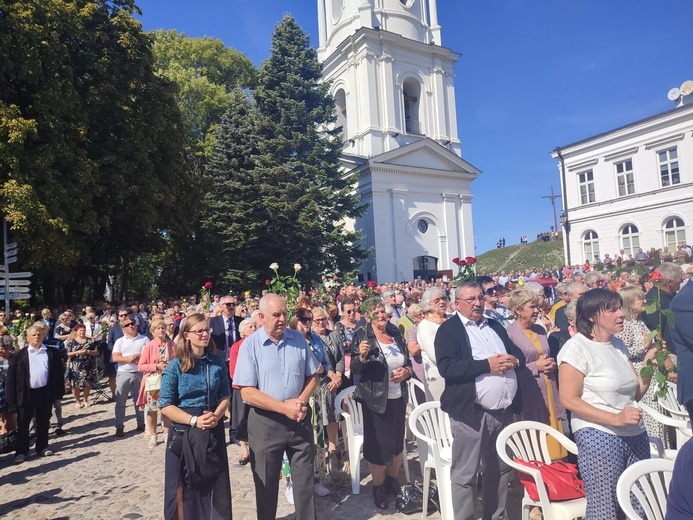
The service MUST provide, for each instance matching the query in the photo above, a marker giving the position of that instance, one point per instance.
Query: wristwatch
(193, 421)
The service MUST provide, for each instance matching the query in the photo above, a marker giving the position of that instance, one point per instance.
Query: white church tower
(393, 84)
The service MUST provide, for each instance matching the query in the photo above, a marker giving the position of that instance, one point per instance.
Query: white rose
(274, 266)
(297, 267)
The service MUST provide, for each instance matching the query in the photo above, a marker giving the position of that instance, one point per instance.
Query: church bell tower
(391, 77)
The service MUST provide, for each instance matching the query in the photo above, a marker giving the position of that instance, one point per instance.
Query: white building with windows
(393, 83)
(631, 187)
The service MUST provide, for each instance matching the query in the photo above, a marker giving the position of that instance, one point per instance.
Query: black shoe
(392, 486)
(59, 431)
(379, 497)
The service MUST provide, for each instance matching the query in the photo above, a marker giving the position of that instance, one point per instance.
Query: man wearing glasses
(477, 361)
(126, 352)
(225, 327)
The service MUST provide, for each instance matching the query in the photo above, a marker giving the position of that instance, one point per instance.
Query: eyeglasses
(305, 320)
(349, 312)
(229, 304)
(471, 301)
(318, 320)
(122, 315)
(200, 332)
(125, 325)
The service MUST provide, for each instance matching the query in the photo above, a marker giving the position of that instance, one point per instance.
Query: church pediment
(424, 155)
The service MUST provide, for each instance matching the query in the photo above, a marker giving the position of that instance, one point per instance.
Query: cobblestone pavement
(95, 475)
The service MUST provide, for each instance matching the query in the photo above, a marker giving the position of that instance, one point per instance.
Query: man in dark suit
(478, 361)
(682, 336)
(35, 380)
(225, 327)
(672, 276)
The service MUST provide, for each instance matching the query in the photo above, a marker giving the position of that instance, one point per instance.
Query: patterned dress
(153, 397)
(632, 337)
(81, 370)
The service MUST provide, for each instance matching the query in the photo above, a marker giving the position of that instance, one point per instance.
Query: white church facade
(631, 187)
(393, 84)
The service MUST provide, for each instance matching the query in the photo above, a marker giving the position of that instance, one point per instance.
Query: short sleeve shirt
(610, 383)
(278, 370)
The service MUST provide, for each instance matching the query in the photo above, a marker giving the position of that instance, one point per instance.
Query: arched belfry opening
(413, 116)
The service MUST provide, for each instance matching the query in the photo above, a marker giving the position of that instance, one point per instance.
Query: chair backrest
(432, 425)
(527, 440)
(671, 403)
(346, 405)
(413, 385)
(648, 481)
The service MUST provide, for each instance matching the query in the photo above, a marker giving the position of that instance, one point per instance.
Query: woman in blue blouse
(195, 396)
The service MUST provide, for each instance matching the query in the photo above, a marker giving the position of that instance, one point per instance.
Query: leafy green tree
(304, 197)
(92, 173)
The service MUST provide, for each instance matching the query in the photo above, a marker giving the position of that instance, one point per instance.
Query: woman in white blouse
(599, 385)
(433, 302)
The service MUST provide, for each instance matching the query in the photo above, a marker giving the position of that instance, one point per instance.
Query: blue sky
(534, 74)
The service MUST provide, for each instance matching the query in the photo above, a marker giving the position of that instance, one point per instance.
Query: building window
(630, 239)
(340, 101)
(669, 167)
(586, 183)
(591, 245)
(422, 225)
(674, 233)
(411, 93)
(624, 178)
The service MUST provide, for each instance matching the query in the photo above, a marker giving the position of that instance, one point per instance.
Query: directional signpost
(16, 285)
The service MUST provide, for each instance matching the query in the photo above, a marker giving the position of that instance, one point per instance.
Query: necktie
(229, 332)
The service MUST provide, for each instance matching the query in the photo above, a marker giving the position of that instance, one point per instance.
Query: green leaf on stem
(652, 307)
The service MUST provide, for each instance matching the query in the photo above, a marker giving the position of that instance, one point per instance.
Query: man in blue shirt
(276, 373)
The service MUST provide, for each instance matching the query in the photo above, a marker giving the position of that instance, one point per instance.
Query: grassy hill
(534, 254)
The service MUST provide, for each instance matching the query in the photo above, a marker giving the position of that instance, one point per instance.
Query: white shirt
(38, 366)
(128, 347)
(493, 391)
(433, 381)
(394, 359)
(610, 383)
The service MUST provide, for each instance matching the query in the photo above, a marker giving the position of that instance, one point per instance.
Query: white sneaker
(45, 453)
(321, 490)
(289, 494)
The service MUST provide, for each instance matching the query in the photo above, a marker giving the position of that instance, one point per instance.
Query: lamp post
(564, 215)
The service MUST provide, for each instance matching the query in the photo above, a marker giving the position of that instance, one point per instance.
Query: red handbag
(560, 478)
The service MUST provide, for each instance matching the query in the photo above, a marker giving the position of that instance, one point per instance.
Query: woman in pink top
(238, 429)
(155, 356)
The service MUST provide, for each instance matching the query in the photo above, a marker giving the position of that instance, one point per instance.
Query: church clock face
(337, 8)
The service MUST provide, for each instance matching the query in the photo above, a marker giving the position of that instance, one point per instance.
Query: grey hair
(573, 286)
(571, 310)
(466, 285)
(431, 294)
(387, 294)
(244, 324)
(669, 271)
(535, 287)
(266, 299)
(592, 277)
(561, 288)
(36, 327)
(413, 310)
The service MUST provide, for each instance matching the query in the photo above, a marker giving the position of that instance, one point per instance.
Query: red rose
(462, 263)
(656, 276)
(456, 261)
(208, 285)
(371, 284)
(470, 260)
(335, 278)
(267, 282)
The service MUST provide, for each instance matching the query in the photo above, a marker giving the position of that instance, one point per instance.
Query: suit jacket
(460, 369)
(652, 320)
(682, 336)
(114, 334)
(219, 331)
(18, 377)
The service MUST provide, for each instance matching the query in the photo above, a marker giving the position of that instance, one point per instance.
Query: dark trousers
(272, 434)
(39, 405)
(689, 407)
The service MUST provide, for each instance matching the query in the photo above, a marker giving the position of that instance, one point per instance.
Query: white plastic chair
(671, 403)
(353, 423)
(432, 425)
(527, 441)
(648, 481)
(683, 426)
(412, 403)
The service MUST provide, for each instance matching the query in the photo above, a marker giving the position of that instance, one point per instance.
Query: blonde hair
(158, 323)
(521, 297)
(630, 295)
(183, 348)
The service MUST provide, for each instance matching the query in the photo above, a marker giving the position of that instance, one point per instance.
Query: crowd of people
(564, 347)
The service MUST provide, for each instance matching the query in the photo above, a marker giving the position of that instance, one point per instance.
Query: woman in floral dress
(155, 356)
(634, 336)
(81, 365)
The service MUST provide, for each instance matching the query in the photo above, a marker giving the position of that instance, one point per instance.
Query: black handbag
(411, 499)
